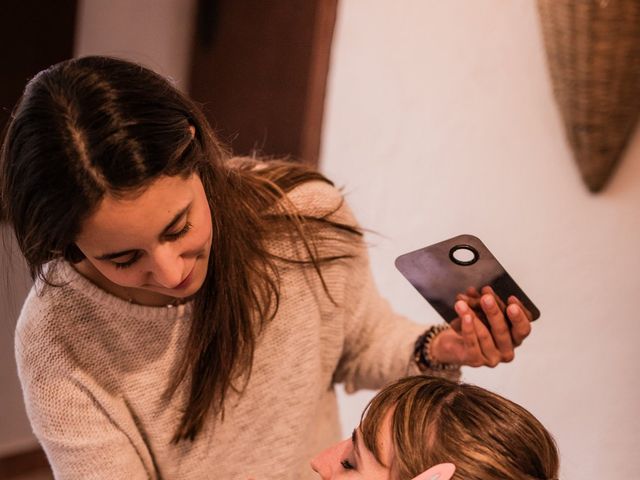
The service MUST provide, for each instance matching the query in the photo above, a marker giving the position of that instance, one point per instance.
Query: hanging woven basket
(593, 50)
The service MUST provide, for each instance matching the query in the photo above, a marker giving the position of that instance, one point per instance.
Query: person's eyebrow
(354, 440)
(165, 231)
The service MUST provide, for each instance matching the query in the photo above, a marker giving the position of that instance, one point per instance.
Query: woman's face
(351, 459)
(156, 244)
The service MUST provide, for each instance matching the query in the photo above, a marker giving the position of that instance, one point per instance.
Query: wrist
(435, 348)
(428, 349)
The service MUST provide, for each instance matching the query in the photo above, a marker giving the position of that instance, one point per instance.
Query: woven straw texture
(593, 50)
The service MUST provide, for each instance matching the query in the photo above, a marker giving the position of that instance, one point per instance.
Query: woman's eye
(128, 263)
(177, 235)
(347, 465)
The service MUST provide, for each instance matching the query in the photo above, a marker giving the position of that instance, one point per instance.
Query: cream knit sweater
(93, 368)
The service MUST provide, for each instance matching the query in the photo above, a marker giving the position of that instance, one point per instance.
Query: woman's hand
(470, 342)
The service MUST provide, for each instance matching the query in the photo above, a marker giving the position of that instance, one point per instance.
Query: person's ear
(442, 471)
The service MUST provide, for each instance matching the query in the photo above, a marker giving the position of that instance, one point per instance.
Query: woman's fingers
(472, 354)
(488, 290)
(495, 343)
(462, 296)
(490, 352)
(472, 301)
(520, 323)
(499, 327)
(472, 292)
(479, 345)
(513, 299)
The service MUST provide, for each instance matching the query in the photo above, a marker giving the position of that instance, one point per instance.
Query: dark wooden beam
(33, 35)
(260, 69)
(29, 462)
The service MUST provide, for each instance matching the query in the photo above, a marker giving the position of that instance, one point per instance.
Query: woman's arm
(378, 344)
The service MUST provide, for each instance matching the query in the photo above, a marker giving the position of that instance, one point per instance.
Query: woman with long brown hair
(192, 311)
(445, 429)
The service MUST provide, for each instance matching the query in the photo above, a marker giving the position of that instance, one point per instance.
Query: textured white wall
(440, 120)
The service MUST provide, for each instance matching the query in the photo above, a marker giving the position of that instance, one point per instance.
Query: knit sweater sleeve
(378, 343)
(81, 426)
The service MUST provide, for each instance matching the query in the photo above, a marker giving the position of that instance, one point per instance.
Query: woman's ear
(442, 471)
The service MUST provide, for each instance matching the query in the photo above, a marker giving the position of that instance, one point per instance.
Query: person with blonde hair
(427, 428)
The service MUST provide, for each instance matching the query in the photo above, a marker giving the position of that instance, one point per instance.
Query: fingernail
(512, 310)
(488, 301)
(461, 306)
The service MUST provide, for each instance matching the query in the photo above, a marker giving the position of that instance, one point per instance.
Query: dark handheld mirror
(459, 268)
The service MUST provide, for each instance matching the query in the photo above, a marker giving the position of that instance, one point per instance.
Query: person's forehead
(141, 212)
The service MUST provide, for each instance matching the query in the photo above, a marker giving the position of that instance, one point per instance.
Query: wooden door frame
(260, 70)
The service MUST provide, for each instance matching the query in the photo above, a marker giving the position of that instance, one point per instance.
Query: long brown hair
(435, 420)
(93, 126)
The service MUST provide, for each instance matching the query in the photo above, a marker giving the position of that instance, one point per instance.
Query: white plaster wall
(156, 33)
(440, 120)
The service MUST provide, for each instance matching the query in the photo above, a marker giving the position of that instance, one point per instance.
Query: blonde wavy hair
(435, 420)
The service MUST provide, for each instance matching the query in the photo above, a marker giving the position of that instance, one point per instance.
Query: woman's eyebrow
(167, 229)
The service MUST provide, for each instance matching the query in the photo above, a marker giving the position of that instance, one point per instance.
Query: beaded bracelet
(422, 350)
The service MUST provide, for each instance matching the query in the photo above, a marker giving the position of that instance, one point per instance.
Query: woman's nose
(167, 267)
(327, 462)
